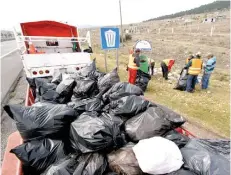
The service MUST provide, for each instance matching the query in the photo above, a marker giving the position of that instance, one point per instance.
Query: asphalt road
(11, 66)
(8, 46)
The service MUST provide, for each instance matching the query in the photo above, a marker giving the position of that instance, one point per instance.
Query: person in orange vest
(132, 67)
(194, 67)
(166, 66)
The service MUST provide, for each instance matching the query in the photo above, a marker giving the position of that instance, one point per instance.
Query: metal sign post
(117, 60)
(105, 59)
(110, 39)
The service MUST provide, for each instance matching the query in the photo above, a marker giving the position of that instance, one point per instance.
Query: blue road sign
(110, 38)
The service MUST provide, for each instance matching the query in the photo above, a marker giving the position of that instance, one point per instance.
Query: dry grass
(210, 110)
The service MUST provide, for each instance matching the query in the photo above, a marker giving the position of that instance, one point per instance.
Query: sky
(90, 12)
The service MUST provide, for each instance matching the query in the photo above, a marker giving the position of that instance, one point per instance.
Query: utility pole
(121, 24)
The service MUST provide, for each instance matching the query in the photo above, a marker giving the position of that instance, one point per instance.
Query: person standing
(208, 69)
(166, 66)
(151, 65)
(142, 63)
(194, 67)
(132, 67)
(188, 59)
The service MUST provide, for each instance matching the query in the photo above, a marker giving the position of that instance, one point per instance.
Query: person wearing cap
(194, 67)
(166, 66)
(208, 69)
(132, 67)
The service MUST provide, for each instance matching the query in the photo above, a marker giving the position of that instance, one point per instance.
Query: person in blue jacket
(208, 69)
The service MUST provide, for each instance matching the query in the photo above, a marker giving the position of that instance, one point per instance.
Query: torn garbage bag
(108, 80)
(147, 124)
(90, 104)
(179, 139)
(174, 118)
(129, 106)
(90, 133)
(204, 163)
(42, 121)
(86, 164)
(142, 80)
(85, 88)
(120, 90)
(158, 155)
(123, 161)
(39, 154)
(182, 82)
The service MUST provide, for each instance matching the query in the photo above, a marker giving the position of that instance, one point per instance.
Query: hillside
(217, 5)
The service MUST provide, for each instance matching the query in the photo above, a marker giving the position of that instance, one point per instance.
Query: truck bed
(11, 165)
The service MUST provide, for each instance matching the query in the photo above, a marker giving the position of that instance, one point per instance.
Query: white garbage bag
(158, 155)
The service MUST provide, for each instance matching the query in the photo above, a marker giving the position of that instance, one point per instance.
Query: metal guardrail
(7, 39)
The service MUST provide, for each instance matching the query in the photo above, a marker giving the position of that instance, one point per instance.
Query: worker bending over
(166, 66)
(194, 67)
(208, 69)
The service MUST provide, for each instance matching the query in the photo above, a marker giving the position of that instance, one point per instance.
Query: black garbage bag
(147, 124)
(142, 80)
(86, 164)
(49, 92)
(32, 84)
(44, 90)
(95, 75)
(37, 155)
(89, 104)
(182, 82)
(85, 88)
(65, 90)
(123, 161)
(90, 133)
(217, 146)
(204, 162)
(85, 71)
(107, 81)
(42, 121)
(182, 171)
(111, 119)
(122, 89)
(57, 77)
(176, 119)
(179, 139)
(129, 106)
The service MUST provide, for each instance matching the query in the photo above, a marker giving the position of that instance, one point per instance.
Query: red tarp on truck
(48, 28)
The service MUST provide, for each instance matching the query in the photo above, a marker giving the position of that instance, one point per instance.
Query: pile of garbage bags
(90, 123)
